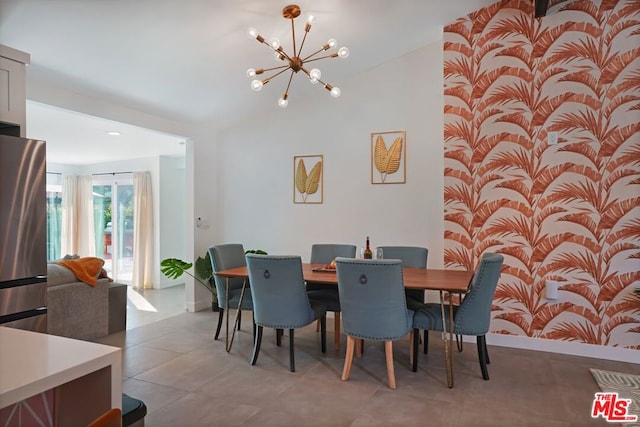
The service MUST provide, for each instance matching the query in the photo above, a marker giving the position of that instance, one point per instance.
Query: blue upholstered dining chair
(373, 306)
(472, 316)
(324, 253)
(224, 257)
(412, 257)
(280, 299)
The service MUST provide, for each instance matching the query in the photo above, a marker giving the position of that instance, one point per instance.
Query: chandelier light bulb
(311, 19)
(274, 43)
(252, 33)
(332, 42)
(343, 52)
(335, 92)
(256, 85)
(282, 103)
(251, 72)
(315, 74)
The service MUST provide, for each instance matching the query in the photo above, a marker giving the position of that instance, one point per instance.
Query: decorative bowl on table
(327, 268)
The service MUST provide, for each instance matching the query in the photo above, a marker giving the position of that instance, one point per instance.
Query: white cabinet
(13, 99)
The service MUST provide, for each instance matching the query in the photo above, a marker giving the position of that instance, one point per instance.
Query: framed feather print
(389, 157)
(307, 179)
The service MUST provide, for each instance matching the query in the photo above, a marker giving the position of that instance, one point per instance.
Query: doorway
(113, 205)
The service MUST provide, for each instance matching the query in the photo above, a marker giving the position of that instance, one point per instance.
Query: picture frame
(389, 157)
(308, 187)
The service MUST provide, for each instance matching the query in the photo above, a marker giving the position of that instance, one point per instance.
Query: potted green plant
(174, 268)
(256, 251)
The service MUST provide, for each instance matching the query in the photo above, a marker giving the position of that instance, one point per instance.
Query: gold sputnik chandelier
(294, 62)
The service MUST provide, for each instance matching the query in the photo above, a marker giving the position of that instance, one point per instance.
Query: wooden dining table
(447, 282)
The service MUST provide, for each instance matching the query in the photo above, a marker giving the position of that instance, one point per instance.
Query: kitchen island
(81, 379)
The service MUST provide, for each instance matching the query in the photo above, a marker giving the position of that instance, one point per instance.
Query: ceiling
(78, 139)
(186, 60)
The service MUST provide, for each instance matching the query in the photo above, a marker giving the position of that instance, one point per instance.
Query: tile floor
(172, 363)
(150, 305)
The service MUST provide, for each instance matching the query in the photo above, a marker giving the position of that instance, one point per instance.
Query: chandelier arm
(333, 55)
(261, 40)
(279, 51)
(276, 74)
(283, 53)
(286, 92)
(322, 83)
(314, 53)
(264, 70)
(302, 44)
(293, 36)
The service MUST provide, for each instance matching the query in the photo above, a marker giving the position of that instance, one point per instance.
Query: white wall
(172, 213)
(255, 164)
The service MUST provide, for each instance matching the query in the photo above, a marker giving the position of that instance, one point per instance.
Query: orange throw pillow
(85, 269)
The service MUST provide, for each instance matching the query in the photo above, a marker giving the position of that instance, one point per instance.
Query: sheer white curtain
(77, 232)
(143, 231)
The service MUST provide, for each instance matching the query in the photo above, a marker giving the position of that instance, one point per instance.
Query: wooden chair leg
(292, 359)
(482, 356)
(256, 346)
(336, 325)
(348, 358)
(359, 343)
(388, 350)
(220, 316)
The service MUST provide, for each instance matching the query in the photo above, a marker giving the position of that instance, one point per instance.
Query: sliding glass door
(113, 219)
(54, 216)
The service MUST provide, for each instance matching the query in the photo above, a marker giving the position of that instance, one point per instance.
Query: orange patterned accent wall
(568, 212)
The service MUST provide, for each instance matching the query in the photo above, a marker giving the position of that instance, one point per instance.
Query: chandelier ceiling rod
(294, 62)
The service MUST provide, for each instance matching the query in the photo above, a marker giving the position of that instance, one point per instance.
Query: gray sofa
(78, 310)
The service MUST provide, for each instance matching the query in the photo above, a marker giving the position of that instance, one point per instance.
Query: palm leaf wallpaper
(568, 212)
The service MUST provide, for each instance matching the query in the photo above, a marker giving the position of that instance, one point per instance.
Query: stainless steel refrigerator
(23, 234)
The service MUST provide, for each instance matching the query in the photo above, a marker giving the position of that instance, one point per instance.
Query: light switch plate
(552, 138)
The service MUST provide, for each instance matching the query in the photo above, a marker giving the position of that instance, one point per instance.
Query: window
(54, 215)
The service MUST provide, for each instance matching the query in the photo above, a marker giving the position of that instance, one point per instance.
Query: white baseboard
(193, 306)
(562, 347)
(168, 283)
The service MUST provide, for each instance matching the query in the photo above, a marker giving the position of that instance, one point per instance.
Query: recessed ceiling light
(113, 133)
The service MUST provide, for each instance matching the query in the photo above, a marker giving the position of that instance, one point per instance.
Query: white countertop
(31, 362)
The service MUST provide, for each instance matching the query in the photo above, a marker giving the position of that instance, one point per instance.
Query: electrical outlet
(202, 223)
(552, 138)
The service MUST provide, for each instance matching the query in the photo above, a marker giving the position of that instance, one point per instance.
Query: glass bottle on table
(367, 250)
